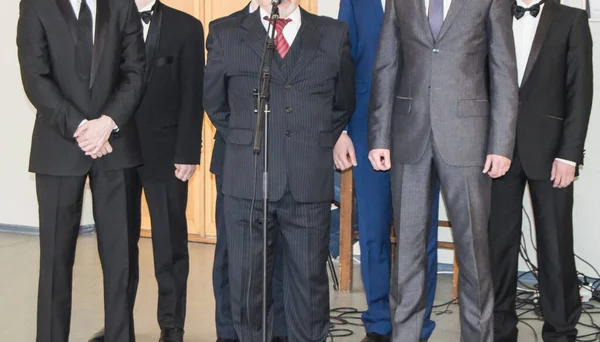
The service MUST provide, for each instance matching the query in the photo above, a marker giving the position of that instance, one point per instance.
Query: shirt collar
(524, 5)
(296, 16)
(148, 7)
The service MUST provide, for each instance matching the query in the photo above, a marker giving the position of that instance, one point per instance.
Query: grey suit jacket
(461, 87)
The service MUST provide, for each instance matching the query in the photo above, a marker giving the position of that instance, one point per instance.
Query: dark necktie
(85, 42)
(281, 44)
(519, 11)
(436, 16)
(147, 15)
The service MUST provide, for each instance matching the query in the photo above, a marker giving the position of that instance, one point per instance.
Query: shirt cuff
(567, 162)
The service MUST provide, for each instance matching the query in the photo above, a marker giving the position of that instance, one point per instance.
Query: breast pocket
(162, 61)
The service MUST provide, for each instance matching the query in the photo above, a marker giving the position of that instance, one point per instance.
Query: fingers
(352, 155)
(557, 180)
(553, 173)
(108, 147)
(80, 131)
(387, 162)
(488, 164)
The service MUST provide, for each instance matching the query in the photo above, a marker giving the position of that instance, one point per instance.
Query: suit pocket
(402, 105)
(554, 117)
(240, 137)
(473, 108)
(167, 60)
(326, 139)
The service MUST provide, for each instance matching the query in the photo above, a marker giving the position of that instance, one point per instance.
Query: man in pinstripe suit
(312, 99)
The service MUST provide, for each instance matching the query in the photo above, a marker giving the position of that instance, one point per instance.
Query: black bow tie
(147, 15)
(519, 11)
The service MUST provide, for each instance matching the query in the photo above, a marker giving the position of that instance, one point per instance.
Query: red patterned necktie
(281, 44)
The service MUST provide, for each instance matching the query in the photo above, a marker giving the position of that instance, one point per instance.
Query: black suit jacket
(218, 156)
(169, 118)
(46, 45)
(556, 91)
(312, 100)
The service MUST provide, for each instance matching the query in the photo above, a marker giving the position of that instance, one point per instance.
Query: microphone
(277, 2)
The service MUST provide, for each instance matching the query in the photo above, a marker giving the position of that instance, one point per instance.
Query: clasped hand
(92, 136)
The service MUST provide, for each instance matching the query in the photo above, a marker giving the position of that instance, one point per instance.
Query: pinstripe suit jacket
(312, 100)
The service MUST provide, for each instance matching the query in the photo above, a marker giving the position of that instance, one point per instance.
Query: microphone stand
(262, 133)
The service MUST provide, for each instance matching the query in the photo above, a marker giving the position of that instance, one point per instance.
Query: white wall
(18, 202)
(587, 188)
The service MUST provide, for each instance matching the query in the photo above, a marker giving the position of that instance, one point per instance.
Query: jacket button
(288, 133)
(287, 86)
(288, 109)
(436, 50)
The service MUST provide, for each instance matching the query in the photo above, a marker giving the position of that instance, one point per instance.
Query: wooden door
(202, 189)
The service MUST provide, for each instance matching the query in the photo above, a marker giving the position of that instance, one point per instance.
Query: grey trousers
(467, 193)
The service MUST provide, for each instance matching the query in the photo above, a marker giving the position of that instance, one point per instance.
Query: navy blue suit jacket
(366, 17)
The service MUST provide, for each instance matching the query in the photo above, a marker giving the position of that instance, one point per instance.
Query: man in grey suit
(443, 104)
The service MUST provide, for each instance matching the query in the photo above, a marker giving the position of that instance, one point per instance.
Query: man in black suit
(169, 123)
(223, 319)
(554, 60)
(82, 65)
(312, 99)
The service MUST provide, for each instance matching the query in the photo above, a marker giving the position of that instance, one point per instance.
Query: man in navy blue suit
(373, 193)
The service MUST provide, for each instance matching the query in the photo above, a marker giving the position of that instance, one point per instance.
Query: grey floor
(19, 259)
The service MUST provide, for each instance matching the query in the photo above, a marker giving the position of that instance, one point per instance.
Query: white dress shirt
(145, 26)
(524, 30)
(446, 6)
(92, 5)
(291, 29)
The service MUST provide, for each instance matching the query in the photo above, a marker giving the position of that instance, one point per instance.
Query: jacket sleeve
(385, 70)
(126, 96)
(345, 88)
(504, 89)
(54, 109)
(215, 87)
(191, 114)
(579, 91)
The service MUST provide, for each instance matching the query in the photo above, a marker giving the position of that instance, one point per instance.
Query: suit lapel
(422, 14)
(153, 40)
(102, 17)
(255, 35)
(455, 7)
(538, 40)
(67, 12)
(310, 38)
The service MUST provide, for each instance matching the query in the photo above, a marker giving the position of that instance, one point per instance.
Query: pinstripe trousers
(302, 229)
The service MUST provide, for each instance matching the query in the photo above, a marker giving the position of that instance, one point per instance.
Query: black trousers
(223, 319)
(304, 240)
(60, 201)
(167, 203)
(558, 283)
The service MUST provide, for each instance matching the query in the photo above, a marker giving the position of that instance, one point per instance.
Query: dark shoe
(220, 339)
(171, 335)
(98, 337)
(375, 337)
(280, 339)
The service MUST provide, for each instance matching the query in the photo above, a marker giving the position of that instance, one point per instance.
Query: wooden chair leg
(346, 230)
(455, 277)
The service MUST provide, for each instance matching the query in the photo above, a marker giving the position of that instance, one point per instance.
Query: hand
(106, 149)
(563, 174)
(184, 172)
(380, 159)
(92, 135)
(344, 156)
(496, 166)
